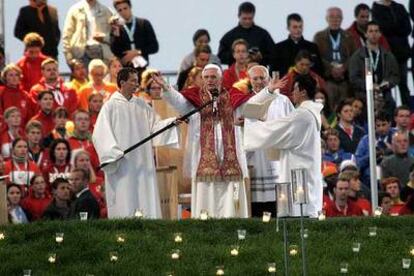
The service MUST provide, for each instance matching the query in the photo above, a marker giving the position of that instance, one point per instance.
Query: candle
(2, 236)
(373, 231)
(293, 252)
(52, 258)
(59, 238)
(241, 234)
(139, 213)
(412, 251)
(120, 239)
(305, 233)
(178, 237)
(300, 195)
(321, 215)
(378, 212)
(343, 268)
(27, 272)
(113, 256)
(266, 217)
(83, 215)
(271, 267)
(204, 214)
(220, 271)
(406, 263)
(234, 251)
(356, 246)
(175, 256)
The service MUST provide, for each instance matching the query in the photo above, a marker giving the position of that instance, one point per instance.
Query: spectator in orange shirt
(342, 206)
(32, 60)
(13, 119)
(11, 94)
(97, 71)
(238, 70)
(38, 198)
(392, 186)
(51, 81)
(78, 77)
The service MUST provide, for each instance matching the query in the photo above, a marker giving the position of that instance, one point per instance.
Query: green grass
(206, 244)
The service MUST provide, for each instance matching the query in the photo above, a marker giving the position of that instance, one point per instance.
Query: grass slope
(206, 244)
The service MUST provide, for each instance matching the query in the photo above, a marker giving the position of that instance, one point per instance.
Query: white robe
(130, 182)
(297, 137)
(266, 170)
(218, 198)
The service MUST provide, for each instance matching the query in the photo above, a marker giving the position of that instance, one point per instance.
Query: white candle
(114, 258)
(412, 251)
(220, 271)
(321, 216)
(300, 195)
(203, 215)
(234, 252)
(120, 239)
(2, 236)
(52, 259)
(271, 268)
(293, 252)
(266, 217)
(139, 214)
(175, 256)
(178, 238)
(59, 239)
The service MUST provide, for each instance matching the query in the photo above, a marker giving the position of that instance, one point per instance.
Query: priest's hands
(158, 79)
(239, 121)
(276, 83)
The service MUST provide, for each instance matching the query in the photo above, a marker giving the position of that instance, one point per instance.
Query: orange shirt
(107, 89)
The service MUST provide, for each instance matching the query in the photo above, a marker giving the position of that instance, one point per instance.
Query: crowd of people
(55, 133)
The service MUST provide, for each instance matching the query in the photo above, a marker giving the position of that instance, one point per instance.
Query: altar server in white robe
(296, 136)
(130, 180)
(218, 161)
(265, 170)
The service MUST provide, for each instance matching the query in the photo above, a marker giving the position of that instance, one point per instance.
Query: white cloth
(131, 182)
(297, 136)
(265, 170)
(220, 199)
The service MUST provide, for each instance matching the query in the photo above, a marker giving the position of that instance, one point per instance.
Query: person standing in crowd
(83, 201)
(38, 198)
(114, 66)
(51, 81)
(201, 37)
(285, 52)
(59, 208)
(11, 94)
(384, 66)
(132, 39)
(86, 32)
(78, 76)
(356, 193)
(41, 18)
(16, 213)
(13, 120)
(202, 56)
(97, 70)
(333, 151)
(358, 28)
(349, 133)
(296, 136)
(37, 152)
(219, 167)
(94, 107)
(394, 22)
(60, 157)
(336, 47)
(249, 31)
(58, 127)
(45, 114)
(31, 62)
(392, 186)
(130, 180)
(402, 124)
(238, 70)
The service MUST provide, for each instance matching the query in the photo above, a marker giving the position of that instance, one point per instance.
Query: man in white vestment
(218, 166)
(264, 172)
(296, 136)
(130, 180)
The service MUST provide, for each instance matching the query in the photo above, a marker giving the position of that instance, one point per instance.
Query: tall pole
(369, 86)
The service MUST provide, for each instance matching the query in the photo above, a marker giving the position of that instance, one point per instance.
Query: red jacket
(31, 69)
(351, 210)
(47, 121)
(35, 206)
(352, 30)
(6, 141)
(17, 97)
(230, 76)
(87, 145)
(68, 99)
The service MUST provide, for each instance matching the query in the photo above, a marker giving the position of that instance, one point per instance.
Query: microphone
(215, 94)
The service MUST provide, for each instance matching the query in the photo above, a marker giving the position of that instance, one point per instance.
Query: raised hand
(276, 83)
(158, 79)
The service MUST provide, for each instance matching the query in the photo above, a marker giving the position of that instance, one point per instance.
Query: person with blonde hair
(149, 90)
(31, 61)
(114, 66)
(13, 118)
(194, 78)
(97, 70)
(11, 93)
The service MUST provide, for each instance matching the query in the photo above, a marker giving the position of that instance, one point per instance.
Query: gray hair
(212, 66)
(261, 67)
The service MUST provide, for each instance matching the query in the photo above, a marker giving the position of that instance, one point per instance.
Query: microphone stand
(158, 132)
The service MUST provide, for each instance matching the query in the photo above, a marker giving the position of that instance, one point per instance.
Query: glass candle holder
(51, 258)
(204, 214)
(321, 215)
(378, 212)
(299, 186)
(372, 231)
(83, 215)
(406, 263)
(266, 217)
(59, 238)
(113, 256)
(343, 268)
(283, 199)
(356, 247)
(139, 213)
(271, 268)
(176, 254)
(120, 238)
(178, 237)
(220, 270)
(2, 236)
(241, 234)
(305, 233)
(293, 250)
(234, 250)
(411, 250)
(27, 272)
